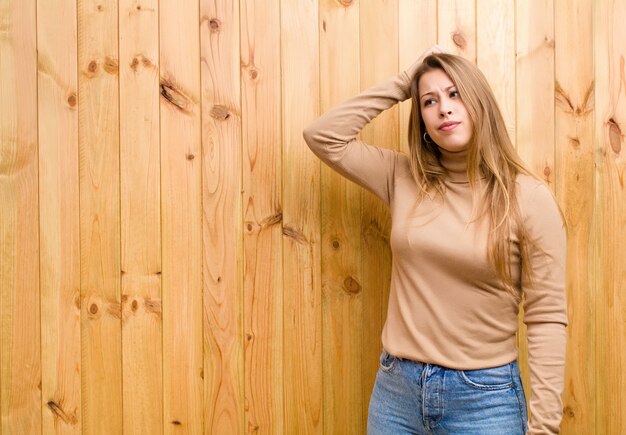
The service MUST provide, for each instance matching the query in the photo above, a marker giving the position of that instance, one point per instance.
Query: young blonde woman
(472, 232)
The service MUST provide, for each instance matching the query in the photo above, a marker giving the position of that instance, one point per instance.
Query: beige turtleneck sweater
(447, 305)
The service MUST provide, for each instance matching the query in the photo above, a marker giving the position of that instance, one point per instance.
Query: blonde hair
(492, 160)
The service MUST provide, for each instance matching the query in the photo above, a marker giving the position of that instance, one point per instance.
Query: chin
(454, 148)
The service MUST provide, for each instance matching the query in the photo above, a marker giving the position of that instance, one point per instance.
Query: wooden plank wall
(173, 258)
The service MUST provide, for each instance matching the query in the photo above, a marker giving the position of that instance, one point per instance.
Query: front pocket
(387, 361)
(496, 378)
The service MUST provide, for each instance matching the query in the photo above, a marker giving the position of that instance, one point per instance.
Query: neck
(455, 164)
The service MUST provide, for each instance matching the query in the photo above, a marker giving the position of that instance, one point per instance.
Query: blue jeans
(410, 397)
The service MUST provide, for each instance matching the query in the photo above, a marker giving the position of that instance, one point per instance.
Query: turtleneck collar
(455, 163)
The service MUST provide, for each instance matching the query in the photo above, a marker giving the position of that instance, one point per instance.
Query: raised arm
(332, 137)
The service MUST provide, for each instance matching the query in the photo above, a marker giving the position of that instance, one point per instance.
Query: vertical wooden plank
(379, 61)
(535, 86)
(20, 354)
(301, 220)
(417, 29)
(98, 118)
(495, 53)
(263, 215)
(59, 217)
(181, 211)
(574, 115)
(456, 27)
(140, 217)
(342, 304)
(610, 211)
(222, 220)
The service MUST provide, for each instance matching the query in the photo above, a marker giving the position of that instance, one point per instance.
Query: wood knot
(569, 411)
(548, 42)
(249, 337)
(272, 220)
(214, 25)
(335, 244)
(346, 3)
(175, 96)
(111, 65)
(152, 306)
(59, 413)
(134, 65)
(92, 67)
(459, 40)
(253, 73)
(351, 285)
(615, 136)
(190, 157)
(547, 171)
(574, 142)
(249, 227)
(71, 100)
(134, 305)
(295, 235)
(219, 112)
(100, 8)
(93, 309)
(138, 7)
(176, 423)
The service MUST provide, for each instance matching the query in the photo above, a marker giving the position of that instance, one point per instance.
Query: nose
(445, 107)
(444, 111)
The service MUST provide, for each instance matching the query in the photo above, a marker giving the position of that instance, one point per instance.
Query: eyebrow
(433, 92)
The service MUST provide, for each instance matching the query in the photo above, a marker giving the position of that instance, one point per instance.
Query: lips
(447, 126)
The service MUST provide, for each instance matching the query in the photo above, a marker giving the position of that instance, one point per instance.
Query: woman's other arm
(545, 310)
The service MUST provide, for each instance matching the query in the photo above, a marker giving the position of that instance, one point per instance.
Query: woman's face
(444, 113)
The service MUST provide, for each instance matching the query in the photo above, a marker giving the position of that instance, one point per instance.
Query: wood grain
(98, 119)
(302, 312)
(59, 217)
(20, 352)
(197, 271)
(610, 214)
(222, 218)
(456, 27)
(181, 213)
(342, 278)
(534, 87)
(140, 217)
(495, 53)
(575, 189)
(263, 216)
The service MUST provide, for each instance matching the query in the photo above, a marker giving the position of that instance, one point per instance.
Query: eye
(454, 94)
(429, 101)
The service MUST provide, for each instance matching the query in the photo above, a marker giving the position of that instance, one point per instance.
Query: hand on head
(410, 71)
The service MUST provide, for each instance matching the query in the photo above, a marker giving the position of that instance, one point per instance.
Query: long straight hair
(492, 162)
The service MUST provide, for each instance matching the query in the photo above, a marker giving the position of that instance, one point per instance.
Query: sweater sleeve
(545, 310)
(332, 137)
